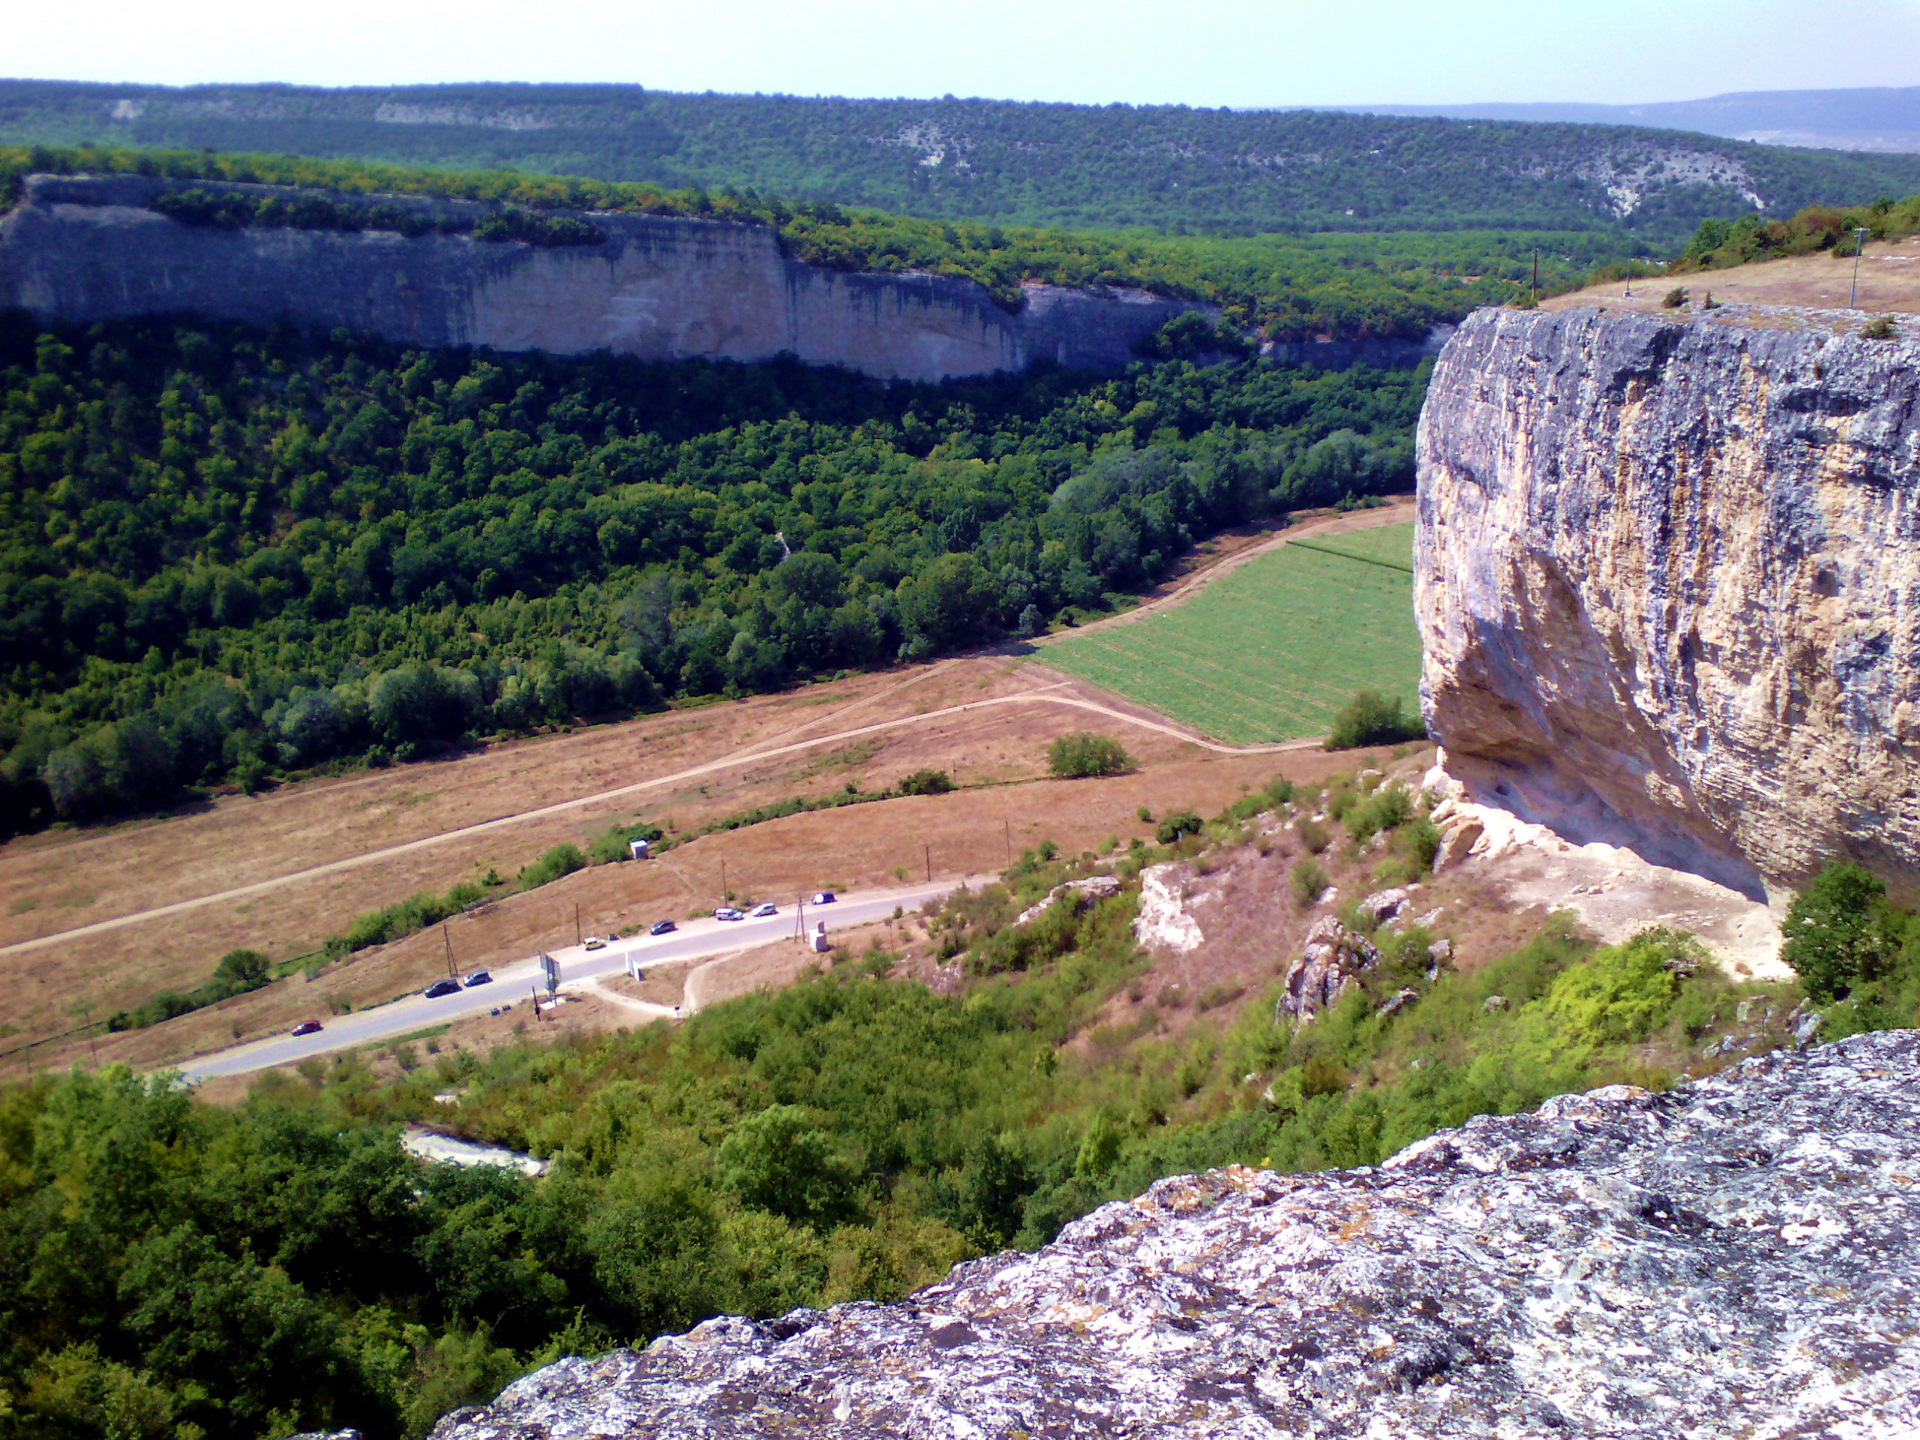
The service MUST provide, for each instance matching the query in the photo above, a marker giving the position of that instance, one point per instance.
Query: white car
(760, 912)
(727, 912)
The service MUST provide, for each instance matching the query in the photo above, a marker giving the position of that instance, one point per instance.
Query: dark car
(663, 927)
(479, 977)
(823, 897)
(308, 1027)
(442, 987)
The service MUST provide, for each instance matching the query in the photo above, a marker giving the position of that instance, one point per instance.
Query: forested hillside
(1168, 167)
(226, 554)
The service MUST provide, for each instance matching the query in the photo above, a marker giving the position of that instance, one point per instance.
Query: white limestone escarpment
(1668, 582)
(90, 249)
(1732, 1258)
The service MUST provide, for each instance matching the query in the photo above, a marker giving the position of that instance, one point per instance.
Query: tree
(1372, 719)
(1084, 753)
(926, 782)
(1835, 935)
(780, 1161)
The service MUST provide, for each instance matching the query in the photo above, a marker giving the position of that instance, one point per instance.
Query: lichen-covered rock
(1733, 1258)
(1668, 583)
(1330, 959)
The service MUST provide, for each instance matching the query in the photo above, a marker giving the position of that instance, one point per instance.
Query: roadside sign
(550, 972)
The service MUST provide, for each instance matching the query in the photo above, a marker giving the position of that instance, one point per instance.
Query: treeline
(227, 555)
(1287, 287)
(318, 210)
(1719, 244)
(1169, 167)
(285, 1266)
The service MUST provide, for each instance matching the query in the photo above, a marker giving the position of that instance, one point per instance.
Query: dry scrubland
(1270, 651)
(1889, 281)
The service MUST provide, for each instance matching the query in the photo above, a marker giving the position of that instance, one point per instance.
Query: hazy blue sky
(1198, 52)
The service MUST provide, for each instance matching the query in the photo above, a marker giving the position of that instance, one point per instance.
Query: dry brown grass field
(1889, 281)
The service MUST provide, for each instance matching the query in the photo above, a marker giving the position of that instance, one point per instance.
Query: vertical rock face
(91, 249)
(1733, 1258)
(1669, 585)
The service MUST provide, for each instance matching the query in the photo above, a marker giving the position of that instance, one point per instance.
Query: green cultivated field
(1272, 650)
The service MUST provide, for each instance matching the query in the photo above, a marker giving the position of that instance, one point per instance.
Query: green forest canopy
(1170, 167)
(227, 553)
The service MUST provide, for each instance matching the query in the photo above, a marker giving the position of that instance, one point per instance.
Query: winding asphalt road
(514, 984)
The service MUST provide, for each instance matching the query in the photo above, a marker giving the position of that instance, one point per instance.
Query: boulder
(1328, 963)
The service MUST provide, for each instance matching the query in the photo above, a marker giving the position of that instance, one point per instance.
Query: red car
(308, 1027)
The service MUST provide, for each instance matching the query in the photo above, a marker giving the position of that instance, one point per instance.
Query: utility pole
(723, 879)
(578, 938)
(929, 850)
(1009, 825)
(1859, 248)
(1534, 293)
(800, 925)
(451, 975)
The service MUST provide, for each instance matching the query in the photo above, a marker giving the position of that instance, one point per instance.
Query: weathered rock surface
(1164, 922)
(1669, 586)
(1083, 892)
(1331, 958)
(1733, 1258)
(88, 249)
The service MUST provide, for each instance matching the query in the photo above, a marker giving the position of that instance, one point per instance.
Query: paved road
(514, 984)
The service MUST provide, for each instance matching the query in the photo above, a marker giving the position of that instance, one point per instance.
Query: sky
(1193, 52)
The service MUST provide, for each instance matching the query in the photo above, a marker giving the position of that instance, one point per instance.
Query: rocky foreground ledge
(1735, 1258)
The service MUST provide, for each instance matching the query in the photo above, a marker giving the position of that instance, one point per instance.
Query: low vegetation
(1371, 718)
(1721, 244)
(179, 1269)
(1084, 754)
(1271, 651)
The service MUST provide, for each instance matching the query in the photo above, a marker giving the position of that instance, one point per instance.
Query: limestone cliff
(1669, 586)
(91, 249)
(1733, 1258)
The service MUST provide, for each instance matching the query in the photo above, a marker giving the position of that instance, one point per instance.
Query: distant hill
(1885, 119)
(1166, 167)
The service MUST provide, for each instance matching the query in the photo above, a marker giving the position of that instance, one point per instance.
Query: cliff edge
(1669, 588)
(1733, 1258)
(93, 248)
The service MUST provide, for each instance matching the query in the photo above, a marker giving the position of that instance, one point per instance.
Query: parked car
(442, 987)
(612, 936)
(727, 912)
(594, 942)
(308, 1027)
(663, 927)
(823, 897)
(479, 977)
(761, 911)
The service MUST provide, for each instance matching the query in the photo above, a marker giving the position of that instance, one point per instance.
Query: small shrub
(1181, 822)
(1881, 327)
(926, 782)
(1675, 297)
(1313, 835)
(1372, 719)
(1146, 815)
(1084, 754)
(1309, 882)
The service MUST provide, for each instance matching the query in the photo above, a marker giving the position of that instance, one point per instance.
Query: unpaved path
(1399, 510)
(1041, 696)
